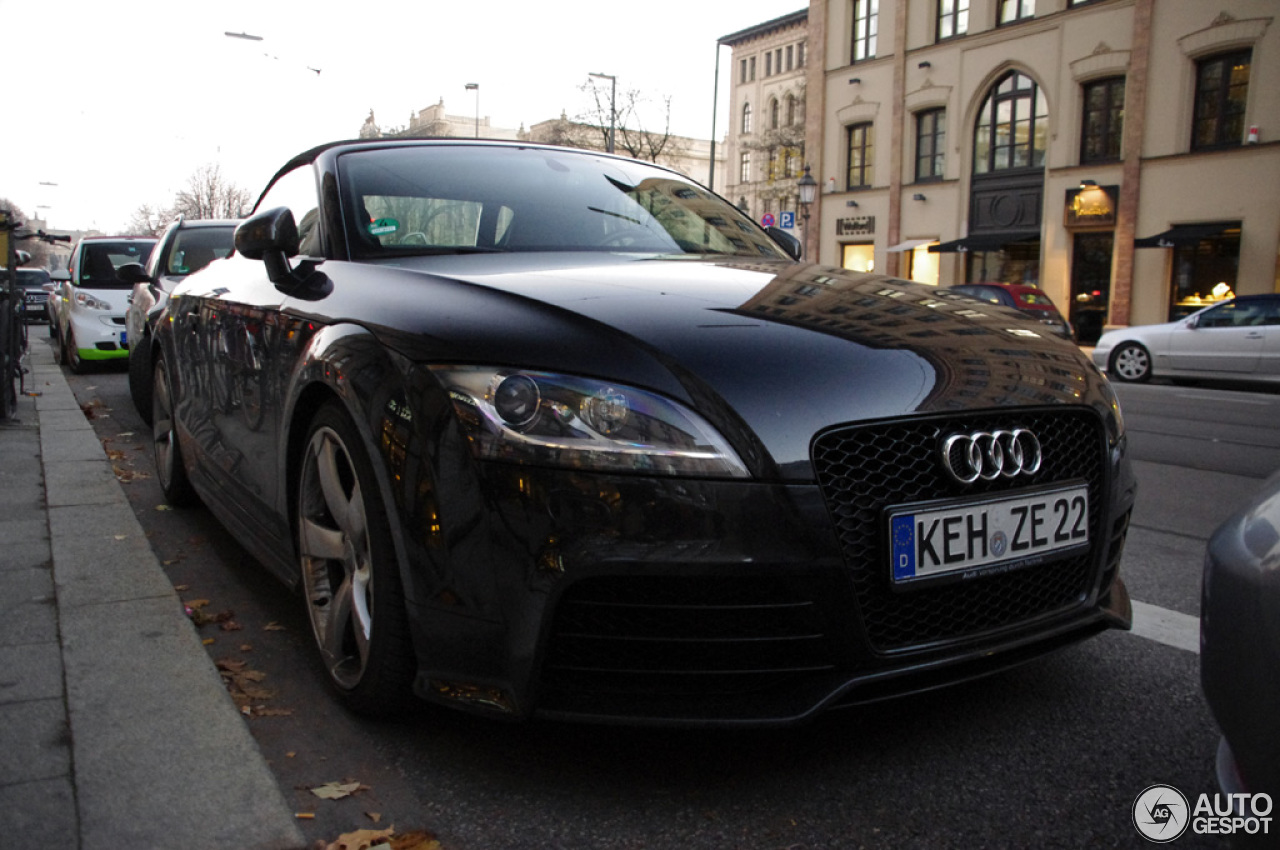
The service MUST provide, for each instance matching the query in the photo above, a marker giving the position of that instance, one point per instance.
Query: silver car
(1237, 339)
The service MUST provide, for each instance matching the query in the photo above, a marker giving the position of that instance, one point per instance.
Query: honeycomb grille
(704, 636)
(863, 470)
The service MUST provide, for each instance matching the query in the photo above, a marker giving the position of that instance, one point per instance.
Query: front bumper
(678, 602)
(99, 336)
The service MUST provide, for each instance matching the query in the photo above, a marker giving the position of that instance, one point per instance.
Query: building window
(1012, 126)
(791, 111)
(751, 65)
(931, 135)
(746, 118)
(860, 149)
(1204, 272)
(1012, 11)
(742, 75)
(790, 57)
(1103, 123)
(768, 64)
(800, 55)
(744, 167)
(1222, 85)
(775, 111)
(866, 15)
(953, 18)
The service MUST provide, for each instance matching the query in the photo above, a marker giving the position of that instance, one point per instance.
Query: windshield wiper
(634, 221)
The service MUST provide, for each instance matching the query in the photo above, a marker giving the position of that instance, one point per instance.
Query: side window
(297, 191)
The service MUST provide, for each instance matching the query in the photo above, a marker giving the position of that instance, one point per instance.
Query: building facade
(1124, 155)
(765, 140)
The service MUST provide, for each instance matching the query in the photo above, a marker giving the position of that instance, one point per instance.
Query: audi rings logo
(991, 454)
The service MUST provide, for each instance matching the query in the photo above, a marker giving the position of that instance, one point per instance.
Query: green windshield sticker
(383, 226)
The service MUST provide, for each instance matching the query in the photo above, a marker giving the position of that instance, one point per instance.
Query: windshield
(196, 247)
(33, 278)
(99, 261)
(439, 199)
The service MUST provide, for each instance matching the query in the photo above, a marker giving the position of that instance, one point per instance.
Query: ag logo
(1161, 813)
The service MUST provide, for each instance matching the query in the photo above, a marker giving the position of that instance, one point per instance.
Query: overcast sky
(118, 103)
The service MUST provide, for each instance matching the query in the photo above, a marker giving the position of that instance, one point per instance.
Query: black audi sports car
(547, 432)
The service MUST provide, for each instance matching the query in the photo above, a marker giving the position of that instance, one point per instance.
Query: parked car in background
(1240, 644)
(91, 312)
(543, 431)
(54, 289)
(1028, 300)
(1236, 340)
(34, 295)
(184, 248)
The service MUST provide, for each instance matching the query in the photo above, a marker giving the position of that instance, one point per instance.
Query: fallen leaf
(305, 815)
(121, 537)
(196, 603)
(246, 647)
(376, 817)
(208, 641)
(181, 588)
(336, 791)
(125, 434)
(362, 839)
(230, 626)
(273, 626)
(164, 508)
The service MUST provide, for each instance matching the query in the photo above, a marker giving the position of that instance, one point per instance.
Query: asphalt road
(1050, 755)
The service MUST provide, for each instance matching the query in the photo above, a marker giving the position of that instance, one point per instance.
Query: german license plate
(932, 540)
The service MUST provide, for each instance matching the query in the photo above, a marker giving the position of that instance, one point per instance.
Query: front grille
(863, 470)
(681, 635)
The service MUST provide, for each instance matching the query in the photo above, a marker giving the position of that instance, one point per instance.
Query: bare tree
(209, 195)
(631, 136)
(149, 220)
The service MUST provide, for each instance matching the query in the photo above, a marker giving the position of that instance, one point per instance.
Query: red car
(1028, 300)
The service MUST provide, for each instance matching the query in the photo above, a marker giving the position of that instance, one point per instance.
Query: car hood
(786, 349)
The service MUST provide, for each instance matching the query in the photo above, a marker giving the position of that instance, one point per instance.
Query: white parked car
(93, 302)
(1237, 340)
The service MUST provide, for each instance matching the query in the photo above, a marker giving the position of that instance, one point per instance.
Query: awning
(1184, 234)
(909, 245)
(983, 242)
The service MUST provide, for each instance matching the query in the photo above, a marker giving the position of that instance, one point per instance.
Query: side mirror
(1193, 322)
(133, 273)
(270, 236)
(786, 242)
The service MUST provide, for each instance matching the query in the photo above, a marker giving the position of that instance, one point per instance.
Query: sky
(113, 105)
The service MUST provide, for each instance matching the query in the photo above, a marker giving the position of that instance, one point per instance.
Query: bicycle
(13, 324)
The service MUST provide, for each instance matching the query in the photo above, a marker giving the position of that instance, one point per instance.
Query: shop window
(1204, 272)
(858, 258)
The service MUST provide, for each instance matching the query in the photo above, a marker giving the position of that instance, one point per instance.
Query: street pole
(613, 106)
(475, 87)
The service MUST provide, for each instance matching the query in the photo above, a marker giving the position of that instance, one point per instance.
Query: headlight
(581, 423)
(84, 299)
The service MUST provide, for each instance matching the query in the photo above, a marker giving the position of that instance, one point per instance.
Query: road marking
(1225, 397)
(1172, 628)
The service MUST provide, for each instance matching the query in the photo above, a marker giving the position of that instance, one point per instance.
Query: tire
(1130, 363)
(71, 354)
(350, 578)
(170, 471)
(140, 377)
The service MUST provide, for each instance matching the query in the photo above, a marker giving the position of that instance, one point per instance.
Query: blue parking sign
(788, 219)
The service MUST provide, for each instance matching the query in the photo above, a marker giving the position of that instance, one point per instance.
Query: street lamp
(808, 188)
(475, 87)
(613, 105)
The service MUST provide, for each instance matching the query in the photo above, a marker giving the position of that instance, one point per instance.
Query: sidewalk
(115, 728)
